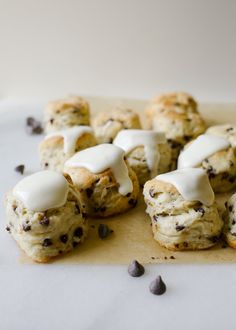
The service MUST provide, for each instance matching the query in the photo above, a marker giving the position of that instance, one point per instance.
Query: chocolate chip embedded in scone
(230, 221)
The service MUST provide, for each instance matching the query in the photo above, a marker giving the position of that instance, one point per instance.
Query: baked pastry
(230, 221)
(183, 211)
(65, 113)
(226, 131)
(176, 115)
(216, 156)
(147, 152)
(59, 146)
(106, 183)
(107, 124)
(44, 215)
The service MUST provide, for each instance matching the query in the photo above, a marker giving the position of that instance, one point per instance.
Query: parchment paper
(132, 237)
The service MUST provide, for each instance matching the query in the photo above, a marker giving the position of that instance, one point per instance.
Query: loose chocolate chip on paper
(157, 286)
(103, 231)
(20, 169)
(135, 269)
(33, 126)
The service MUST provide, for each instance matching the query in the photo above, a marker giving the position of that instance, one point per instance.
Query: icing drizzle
(42, 191)
(202, 147)
(132, 138)
(192, 183)
(70, 136)
(102, 157)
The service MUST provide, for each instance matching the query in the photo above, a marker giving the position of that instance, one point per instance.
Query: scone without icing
(230, 221)
(216, 155)
(147, 152)
(59, 146)
(65, 113)
(176, 115)
(182, 209)
(107, 185)
(107, 124)
(44, 215)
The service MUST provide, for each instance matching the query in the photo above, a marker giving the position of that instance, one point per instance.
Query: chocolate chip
(33, 126)
(103, 231)
(128, 195)
(78, 232)
(172, 257)
(46, 164)
(214, 239)
(8, 229)
(77, 209)
(225, 176)
(179, 227)
(157, 286)
(44, 221)
(132, 202)
(233, 222)
(185, 244)
(51, 121)
(232, 179)
(230, 208)
(155, 217)
(26, 227)
(75, 244)
(89, 192)
(64, 238)
(47, 242)
(200, 209)
(20, 169)
(152, 193)
(229, 129)
(135, 269)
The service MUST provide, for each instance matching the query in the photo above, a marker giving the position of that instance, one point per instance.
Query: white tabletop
(98, 297)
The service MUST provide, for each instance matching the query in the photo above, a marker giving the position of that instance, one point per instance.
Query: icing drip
(42, 191)
(132, 138)
(192, 183)
(70, 136)
(102, 157)
(201, 148)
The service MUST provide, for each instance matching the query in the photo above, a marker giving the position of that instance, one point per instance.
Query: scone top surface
(202, 147)
(42, 191)
(192, 183)
(132, 138)
(70, 136)
(102, 157)
(227, 131)
(67, 103)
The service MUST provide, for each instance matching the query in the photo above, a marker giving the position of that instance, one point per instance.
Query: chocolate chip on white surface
(157, 286)
(33, 126)
(135, 269)
(20, 169)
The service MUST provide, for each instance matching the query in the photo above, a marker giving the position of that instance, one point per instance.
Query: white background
(49, 48)
(132, 48)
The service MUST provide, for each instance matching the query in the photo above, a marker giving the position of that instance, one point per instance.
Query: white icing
(42, 191)
(192, 183)
(102, 157)
(131, 138)
(70, 136)
(202, 147)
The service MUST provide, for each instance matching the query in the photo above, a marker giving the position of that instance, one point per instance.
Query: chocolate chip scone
(107, 124)
(180, 220)
(106, 183)
(44, 216)
(176, 115)
(59, 146)
(147, 152)
(230, 221)
(65, 113)
(216, 155)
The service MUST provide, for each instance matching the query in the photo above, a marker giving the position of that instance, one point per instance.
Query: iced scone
(182, 208)
(44, 215)
(106, 183)
(216, 156)
(65, 113)
(59, 146)
(147, 152)
(107, 124)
